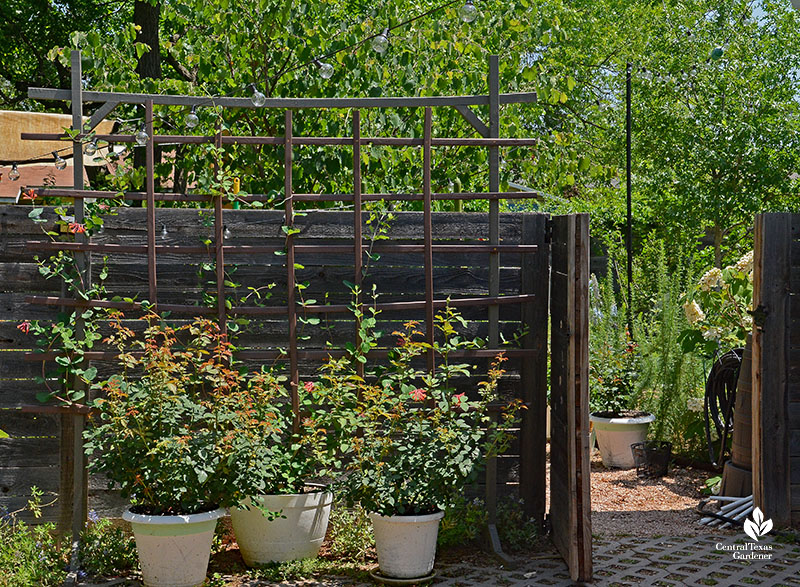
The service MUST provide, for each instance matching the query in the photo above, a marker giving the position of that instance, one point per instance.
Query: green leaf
(90, 373)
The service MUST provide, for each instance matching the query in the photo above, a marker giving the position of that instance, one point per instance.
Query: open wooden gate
(570, 505)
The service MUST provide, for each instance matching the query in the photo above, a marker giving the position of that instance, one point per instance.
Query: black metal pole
(629, 227)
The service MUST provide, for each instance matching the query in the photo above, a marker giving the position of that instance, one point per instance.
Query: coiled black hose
(719, 400)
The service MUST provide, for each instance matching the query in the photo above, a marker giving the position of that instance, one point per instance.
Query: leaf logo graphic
(758, 526)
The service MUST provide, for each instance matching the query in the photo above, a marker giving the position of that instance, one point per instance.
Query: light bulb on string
(192, 120)
(380, 42)
(468, 13)
(60, 162)
(164, 233)
(91, 148)
(13, 175)
(325, 70)
(142, 137)
(717, 53)
(226, 234)
(258, 99)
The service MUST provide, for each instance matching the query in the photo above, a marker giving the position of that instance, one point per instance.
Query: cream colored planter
(616, 435)
(406, 544)
(297, 534)
(174, 550)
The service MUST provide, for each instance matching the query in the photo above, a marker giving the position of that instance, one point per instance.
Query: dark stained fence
(570, 506)
(776, 368)
(31, 455)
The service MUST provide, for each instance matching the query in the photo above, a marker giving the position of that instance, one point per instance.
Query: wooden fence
(31, 455)
(776, 368)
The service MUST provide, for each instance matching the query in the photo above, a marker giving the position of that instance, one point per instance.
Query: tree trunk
(146, 15)
(717, 246)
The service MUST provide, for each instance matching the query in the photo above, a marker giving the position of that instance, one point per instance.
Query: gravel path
(624, 505)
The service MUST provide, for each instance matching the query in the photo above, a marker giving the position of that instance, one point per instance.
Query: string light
(142, 137)
(91, 148)
(164, 233)
(192, 119)
(385, 33)
(325, 69)
(380, 42)
(468, 13)
(61, 164)
(257, 98)
(226, 234)
(13, 175)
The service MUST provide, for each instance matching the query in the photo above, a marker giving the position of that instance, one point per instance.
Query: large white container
(297, 534)
(406, 545)
(174, 550)
(616, 435)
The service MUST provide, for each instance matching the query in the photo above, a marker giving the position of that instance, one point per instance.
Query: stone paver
(646, 561)
(629, 561)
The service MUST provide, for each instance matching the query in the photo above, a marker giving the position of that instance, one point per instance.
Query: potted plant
(163, 431)
(613, 370)
(286, 514)
(420, 444)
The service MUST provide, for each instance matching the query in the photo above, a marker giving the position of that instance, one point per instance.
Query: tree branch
(180, 68)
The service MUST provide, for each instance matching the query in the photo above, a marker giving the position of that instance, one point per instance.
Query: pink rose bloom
(309, 385)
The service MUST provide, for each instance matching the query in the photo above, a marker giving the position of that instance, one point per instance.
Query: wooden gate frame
(772, 324)
(570, 501)
(532, 461)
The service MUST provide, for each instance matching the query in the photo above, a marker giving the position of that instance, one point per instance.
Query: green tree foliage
(714, 140)
(219, 49)
(30, 28)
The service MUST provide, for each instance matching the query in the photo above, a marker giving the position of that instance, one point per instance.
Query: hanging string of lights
(378, 42)
(714, 55)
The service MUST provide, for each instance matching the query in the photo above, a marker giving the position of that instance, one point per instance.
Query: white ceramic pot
(174, 550)
(406, 545)
(297, 534)
(616, 435)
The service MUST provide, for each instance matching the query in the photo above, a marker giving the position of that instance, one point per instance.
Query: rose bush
(183, 429)
(419, 441)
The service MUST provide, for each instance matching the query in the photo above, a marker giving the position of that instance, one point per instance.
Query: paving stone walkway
(630, 561)
(648, 561)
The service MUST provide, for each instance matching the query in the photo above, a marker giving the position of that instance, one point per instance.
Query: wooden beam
(472, 118)
(582, 541)
(306, 354)
(74, 477)
(267, 250)
(298, 141)
(770, 369)
(428, 235)
(275, 310)
(294, 374)
(284, 103)
(171, 197)
(533, 437)
(100, 115)
(150, 191)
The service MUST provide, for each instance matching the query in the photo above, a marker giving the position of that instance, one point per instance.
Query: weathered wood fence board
(776, 368)
(398, 277)
(570, 507)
